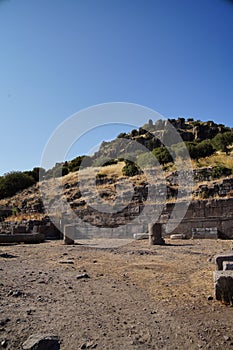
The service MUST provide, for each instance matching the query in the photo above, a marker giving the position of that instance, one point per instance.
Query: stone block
(223, 286)
(222, 257)
(155, 234)
(178, 236)
(139, 236)
(69, 234)
(227, 265)
(204, 232)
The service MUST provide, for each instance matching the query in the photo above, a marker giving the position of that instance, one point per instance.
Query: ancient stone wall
(205, 214)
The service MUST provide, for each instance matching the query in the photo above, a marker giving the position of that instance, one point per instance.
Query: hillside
(209, 145)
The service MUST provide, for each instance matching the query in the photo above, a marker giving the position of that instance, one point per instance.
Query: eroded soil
(136, 296)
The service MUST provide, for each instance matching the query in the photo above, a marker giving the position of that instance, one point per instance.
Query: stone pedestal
(69, 234)
(223, 284)
(155, 234)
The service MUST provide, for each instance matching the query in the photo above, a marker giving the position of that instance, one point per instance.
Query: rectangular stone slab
(223, 257)
(205, 232)
(227, 265)
(22, 238)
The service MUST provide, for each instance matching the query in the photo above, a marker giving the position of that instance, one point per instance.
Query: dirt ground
(136, 296)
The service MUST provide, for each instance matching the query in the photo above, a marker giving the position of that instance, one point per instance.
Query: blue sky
(60, 56)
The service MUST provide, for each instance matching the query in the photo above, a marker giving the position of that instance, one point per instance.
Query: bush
(75, 163)
(204, 149)
(104, 161)
(222, 141)
(122, 135)
(13, 182)
(219, 171)
(163, 155)
(130, 169)
(36, 173)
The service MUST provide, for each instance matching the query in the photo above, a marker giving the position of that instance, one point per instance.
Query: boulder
(41, 342)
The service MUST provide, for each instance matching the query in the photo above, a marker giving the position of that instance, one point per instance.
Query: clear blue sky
(60, 56)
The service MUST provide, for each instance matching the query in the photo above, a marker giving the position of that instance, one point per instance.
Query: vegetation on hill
(208, 144)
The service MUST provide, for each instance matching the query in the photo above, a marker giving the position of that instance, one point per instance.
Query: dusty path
(137, 297)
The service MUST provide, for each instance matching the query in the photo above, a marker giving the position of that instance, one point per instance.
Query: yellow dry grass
(22, 217)
(112, 170)
(215, 160)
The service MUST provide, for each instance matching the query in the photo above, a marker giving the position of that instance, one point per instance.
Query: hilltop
(209, 145)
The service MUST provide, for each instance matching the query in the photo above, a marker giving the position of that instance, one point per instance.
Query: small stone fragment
(83, 275)
(66, 261)
(4, 343)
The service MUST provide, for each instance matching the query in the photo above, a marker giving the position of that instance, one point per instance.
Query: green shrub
(163, 155)
(130, 169)
(222, 141)
(219, 171)
(99, 162)
(204, 149)
(13, 182)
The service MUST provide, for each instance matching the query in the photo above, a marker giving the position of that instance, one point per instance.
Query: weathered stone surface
(223, 285)
(139, 236)
(69, 234)
(22, 238)
(222, 257)
(41, 342)
(178, 236)
(155, 234)
(205, 232)
(227, 265)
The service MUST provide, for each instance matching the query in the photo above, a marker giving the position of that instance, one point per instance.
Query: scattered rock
(227, 338)
(66, 261)
(89, 345)
(83, 275)
(4, 343)
(4, 321)
(15, 293)
(7, 256)
(41, 342)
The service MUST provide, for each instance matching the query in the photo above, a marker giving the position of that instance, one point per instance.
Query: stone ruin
(28, 231)
(223, 278)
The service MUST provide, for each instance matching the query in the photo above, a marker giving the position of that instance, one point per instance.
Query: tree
(204, 149)
(13, 182)
(163, 155)
(223, 141)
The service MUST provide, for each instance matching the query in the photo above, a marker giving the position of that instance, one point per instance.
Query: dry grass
(24, 217)
(217, 159)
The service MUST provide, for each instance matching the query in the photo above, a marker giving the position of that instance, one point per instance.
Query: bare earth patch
(136, 296)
